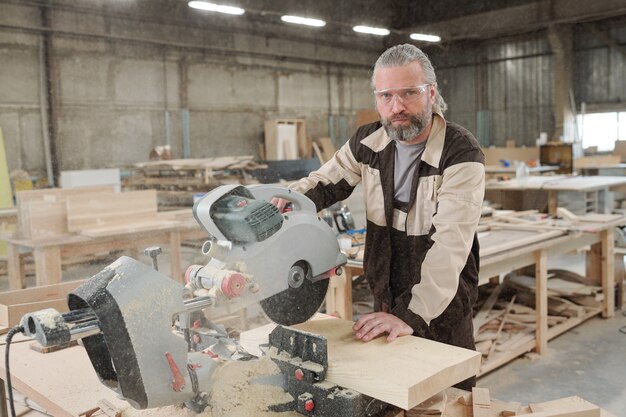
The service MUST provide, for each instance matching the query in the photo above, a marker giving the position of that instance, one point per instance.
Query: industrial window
(602, 129)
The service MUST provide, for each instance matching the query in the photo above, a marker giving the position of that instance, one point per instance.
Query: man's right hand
(280, 203)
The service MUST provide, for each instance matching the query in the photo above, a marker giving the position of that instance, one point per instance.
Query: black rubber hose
(12, 332)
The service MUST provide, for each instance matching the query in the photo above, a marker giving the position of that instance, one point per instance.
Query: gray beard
(410, 132)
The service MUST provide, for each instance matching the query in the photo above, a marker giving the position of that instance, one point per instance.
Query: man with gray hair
(423, 180)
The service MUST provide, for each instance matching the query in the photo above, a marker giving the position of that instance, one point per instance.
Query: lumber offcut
(404, 372)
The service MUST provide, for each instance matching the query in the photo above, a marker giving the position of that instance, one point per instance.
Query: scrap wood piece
(516, 340)
(493, 346)
(481, 317)
(109, 409)
(481, 402)
(105, 406)
(511, 409)
(90, 412)
(573, 405)
(571, 276)
(49, 349)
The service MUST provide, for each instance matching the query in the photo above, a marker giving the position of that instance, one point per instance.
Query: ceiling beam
(529, 17)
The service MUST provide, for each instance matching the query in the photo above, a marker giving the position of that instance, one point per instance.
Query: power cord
(10, 334)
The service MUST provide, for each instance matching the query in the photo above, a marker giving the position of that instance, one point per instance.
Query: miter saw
(140, 327)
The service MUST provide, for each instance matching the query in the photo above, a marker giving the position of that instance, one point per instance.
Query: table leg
(339, 295)
(608, 271)
(553, 201)
(15, 269)
(4, 412)
(175, 259)
(541, 301)
(47, 265)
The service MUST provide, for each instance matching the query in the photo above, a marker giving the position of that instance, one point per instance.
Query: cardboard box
(14, 304)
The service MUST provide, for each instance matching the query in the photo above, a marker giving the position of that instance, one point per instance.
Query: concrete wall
(114, 78)
(116, 68)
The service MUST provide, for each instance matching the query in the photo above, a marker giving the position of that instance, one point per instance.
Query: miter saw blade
(296, 305)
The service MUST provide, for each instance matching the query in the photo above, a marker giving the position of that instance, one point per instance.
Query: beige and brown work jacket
(422, 265)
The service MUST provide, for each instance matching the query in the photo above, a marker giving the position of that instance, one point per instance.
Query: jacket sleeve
(334, 181)
(458, 212)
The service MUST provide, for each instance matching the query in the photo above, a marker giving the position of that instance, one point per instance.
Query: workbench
(503, 251)
(49, 252)
(511, 170)
(592, 191)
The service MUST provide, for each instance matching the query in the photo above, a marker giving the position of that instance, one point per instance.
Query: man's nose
(396, 104)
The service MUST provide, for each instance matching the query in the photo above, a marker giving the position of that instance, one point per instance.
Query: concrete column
(561, 41)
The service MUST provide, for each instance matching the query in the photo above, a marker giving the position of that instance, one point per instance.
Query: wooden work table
(48, 253)
(505, 250)
(593, 190)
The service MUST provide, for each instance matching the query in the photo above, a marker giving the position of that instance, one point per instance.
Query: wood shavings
(233, 394)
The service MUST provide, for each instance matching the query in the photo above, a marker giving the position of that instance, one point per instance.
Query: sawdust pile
(234, 394)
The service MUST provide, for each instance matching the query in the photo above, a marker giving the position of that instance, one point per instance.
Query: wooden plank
(596, 161)
(541, 301)
(481, 402)
(404, 372)
(45, 219)
(328, 149)
(130, 226)
(103, 209)
(6, 194)
(493, 155)
(48, 196)
(14, 304)
(570, 406)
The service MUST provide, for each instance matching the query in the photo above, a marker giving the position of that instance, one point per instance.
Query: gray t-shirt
(406, 160)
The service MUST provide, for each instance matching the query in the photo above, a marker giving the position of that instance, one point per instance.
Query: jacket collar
(434, 143)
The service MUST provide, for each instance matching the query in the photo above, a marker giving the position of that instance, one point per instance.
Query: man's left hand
(372, 325)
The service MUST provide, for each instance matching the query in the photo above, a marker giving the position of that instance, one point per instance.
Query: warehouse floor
(587, 361)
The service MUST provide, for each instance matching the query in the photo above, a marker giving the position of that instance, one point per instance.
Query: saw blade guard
(300, 244)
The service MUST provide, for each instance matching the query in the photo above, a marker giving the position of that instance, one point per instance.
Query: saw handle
(267, 192)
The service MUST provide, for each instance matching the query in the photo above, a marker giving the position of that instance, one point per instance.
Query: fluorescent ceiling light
(303, 21)
(212, 7)
(371, 30)
(425, 38)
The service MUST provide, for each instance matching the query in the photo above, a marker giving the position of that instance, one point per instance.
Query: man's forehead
(399, 76)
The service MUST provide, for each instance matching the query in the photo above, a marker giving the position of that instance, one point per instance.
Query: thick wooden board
(141, 225)
(36, 207)
(45, 219)
(98, 210)
(6, 195)
(14, 304)
(493, 155)
(404, 372)
(596, 161)
(570, 406)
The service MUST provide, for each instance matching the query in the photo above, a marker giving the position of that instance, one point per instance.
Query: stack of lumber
(507, 319)
(199, 175)
(94, 211)
(42, 214)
